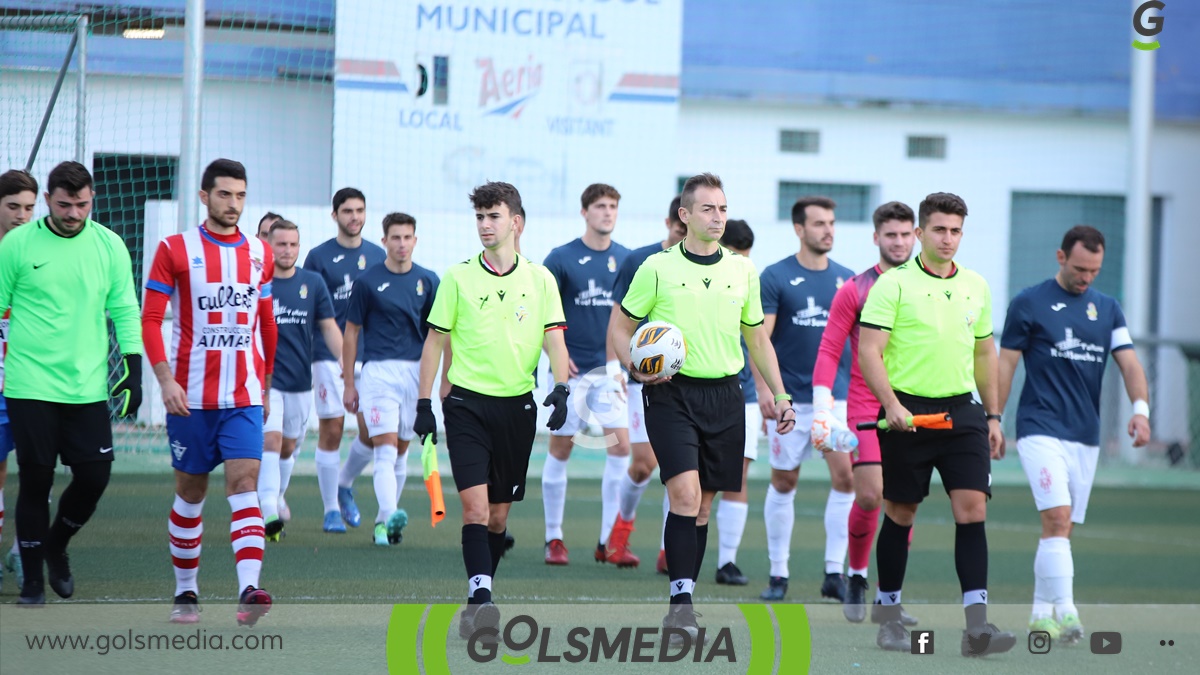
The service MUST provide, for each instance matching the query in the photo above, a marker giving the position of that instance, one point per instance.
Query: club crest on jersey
(420, 287)
(1092, 314)
(612, 264)
(840, 281)
(178, 449)
(303, 291)
(258, 263)
(521, 313)
(651, 336)
(362, 262)
(197, 262)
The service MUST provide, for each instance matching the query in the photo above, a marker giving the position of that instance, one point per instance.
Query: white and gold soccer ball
(658, 348)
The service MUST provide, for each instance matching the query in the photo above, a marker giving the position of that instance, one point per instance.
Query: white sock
(477, 582)
(837, 530)
(631, 496)
(1054, 570)
(780, 516)
(286, 466)
(731, 522)
(554, 495)
(385, 481)
(853, 572)
(662, 538)
(360, 456)
(615, 468)
(327, 478)
(401, 475)
(268, 485)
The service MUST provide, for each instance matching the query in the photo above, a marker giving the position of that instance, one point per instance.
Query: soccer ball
(658, 348)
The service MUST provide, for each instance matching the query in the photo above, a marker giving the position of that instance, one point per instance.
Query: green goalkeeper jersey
(60, 290)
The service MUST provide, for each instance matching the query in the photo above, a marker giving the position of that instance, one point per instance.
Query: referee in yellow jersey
(498, 310)
(925, 344)
(696, 419)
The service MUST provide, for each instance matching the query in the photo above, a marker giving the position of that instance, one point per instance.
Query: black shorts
(961, 455)
(44, 431)
(489, 439)
(698, 425)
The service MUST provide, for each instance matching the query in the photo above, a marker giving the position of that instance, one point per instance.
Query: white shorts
(789, 450)
(328, 388)
(1060, 473)
(637, 415)
(387, 397)
(753, 430)
(289, 413)
(591, 402)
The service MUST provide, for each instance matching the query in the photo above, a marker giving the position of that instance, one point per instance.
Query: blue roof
(1065, 56)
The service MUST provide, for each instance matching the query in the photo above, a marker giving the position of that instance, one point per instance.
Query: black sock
(971, 562)
(679, 541)
(33, 521)
(701, 545)
(78, 503)
(891, 557)
(496, 544)
(477, 557)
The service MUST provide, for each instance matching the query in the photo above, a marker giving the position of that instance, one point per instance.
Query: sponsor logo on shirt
(1073, 349)
(339, 258)
(342, 293)
(584, 260)
(797, 281)
(813, 315)
(594, 296)
(383, 287)
(226, 297)
(1058, 306)
(197, 262)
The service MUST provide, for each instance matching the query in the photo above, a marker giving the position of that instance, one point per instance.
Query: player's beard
(350, 233)
(222, 217)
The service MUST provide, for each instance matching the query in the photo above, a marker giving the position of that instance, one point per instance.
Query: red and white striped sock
(185, 529)
(1, 514)
(247, 536)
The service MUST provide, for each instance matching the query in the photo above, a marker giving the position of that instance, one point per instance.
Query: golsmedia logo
(1147, 25)
(426, 636)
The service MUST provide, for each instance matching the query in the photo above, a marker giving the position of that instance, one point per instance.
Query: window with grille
(853, 201)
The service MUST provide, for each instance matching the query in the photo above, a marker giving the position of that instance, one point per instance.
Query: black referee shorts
(489, 439)
(43, 431)
(961, 455)
(697, 424)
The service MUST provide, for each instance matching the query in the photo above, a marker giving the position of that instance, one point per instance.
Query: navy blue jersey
(391, 309)
(301, 301)
(1066, 340)
(800, 299)
(585, 283)
(339, 267)
(746, 378)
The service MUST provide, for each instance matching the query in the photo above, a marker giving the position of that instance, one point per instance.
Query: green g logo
(1148, 26)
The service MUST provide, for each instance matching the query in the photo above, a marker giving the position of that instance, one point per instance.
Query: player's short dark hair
(398, 218)
(495, 193)
(597, 191)
(673, 214)
(738, 235)
(270, 215)
(282, 224)
(222, 168)
(799, 209)
(70, 176)
(941, 202)
(1091, 238)
(521, 212)
(892, 211)
(345, 193)
(687, 196)
(16, 181)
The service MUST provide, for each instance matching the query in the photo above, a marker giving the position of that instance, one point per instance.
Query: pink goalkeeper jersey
(843, 322)
(215, 285)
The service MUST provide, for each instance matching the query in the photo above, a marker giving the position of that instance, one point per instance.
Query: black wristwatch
(994, 416)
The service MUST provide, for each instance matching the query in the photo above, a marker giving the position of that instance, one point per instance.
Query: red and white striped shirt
(219, 288)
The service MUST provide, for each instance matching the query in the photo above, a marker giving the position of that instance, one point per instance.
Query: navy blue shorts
(206, 438)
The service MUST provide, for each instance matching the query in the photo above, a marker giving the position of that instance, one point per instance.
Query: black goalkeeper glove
(425, 423)
(558, 399)
(128, 389)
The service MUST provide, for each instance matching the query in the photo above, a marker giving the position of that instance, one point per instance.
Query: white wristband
(1140, 407)
(613, 368)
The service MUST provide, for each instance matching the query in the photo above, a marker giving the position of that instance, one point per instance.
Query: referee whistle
(933, 421)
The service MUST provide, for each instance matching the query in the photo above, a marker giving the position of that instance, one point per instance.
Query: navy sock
(496, 545)
(679, 541)
(477, 557)
(891, 557)
(971, 562)
(701, 545)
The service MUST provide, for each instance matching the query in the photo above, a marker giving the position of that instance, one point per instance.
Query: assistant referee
(498, 310)
(925, 344)
(696, 419)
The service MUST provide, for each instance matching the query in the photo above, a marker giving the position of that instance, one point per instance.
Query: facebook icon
(922, 642)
